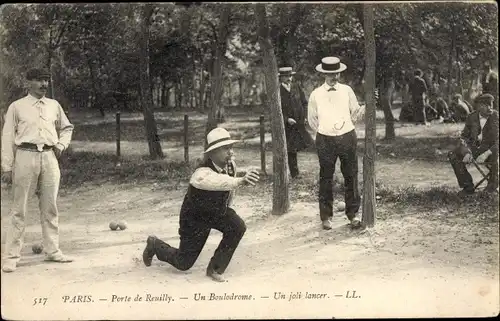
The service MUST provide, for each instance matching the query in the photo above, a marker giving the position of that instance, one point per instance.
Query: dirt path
(413, 263)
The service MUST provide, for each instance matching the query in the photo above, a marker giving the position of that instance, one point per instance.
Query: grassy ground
(429, 254)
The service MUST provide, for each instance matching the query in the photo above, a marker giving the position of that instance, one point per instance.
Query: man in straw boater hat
(206, 206)
(294, 116)
(332, 111)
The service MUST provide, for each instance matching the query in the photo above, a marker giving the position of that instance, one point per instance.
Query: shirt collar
(327, 86)
(286, 86)
(217, 167)
(35, 100)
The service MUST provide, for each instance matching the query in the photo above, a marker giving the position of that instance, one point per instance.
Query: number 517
(41, 301)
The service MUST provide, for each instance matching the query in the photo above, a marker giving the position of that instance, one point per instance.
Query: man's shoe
(9, 266)
(149, 251)
(355, 222)
(465, 192)
(215, 276)
(59, 258)
(327, 225)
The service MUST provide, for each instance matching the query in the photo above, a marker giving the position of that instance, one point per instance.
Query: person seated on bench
(442, 109)
(479, 141)
(459, 109)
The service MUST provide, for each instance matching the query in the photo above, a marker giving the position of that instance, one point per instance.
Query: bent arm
(354, 107)
(206, 179)
(65, 129)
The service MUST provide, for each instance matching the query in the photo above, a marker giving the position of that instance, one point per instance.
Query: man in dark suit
(294, 117)
(479, 141)
(418, 89)
(206, 206)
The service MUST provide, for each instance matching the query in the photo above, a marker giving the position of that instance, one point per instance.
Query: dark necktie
(332, 89)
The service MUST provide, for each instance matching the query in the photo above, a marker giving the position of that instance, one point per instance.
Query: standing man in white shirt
(35, 133)
(206, 206)
(332, 111)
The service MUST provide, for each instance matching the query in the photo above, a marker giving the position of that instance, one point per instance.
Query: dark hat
(484, 99)
(37, 74)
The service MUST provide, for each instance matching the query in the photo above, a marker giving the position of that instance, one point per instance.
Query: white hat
(286, 71)
(331, 65)
(218, 137)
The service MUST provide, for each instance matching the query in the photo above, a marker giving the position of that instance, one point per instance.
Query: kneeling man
(206, 206)
(479, 141)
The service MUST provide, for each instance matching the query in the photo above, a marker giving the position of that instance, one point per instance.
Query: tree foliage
(93, 52)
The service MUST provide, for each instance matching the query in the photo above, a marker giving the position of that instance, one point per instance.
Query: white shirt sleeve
(354, 108)
(312, 113)
(232, 193)
(8, 139)
(206, 179)
(65, 128)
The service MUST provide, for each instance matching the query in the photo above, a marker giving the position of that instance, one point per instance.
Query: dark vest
(206, 204)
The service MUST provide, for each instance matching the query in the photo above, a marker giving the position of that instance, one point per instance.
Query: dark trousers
(464, 178)
(193, 236)
(330, 148)
(292, 164)
(419, 115)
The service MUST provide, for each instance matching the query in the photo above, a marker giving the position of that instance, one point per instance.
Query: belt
(35, 147)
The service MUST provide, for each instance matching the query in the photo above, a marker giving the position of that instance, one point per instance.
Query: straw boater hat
(218, 137)
(286, 71)
(331, 65)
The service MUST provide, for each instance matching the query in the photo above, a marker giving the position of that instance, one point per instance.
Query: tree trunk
(206, 100)
(297, 16)
(459, 72)
(164, 94)
(370, 126)
(214, 116)
(95, 92)
(51, 80)
(155, 150)
(167, 97)
(202, 89)
(450, 61)
(229, 92)
(240, 85)
(178, 95)
(281, 201)
(386, 91)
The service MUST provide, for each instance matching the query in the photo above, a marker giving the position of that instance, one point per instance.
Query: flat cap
(37, 74)
(484, 99)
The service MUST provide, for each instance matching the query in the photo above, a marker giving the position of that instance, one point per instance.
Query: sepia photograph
(238, 160)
